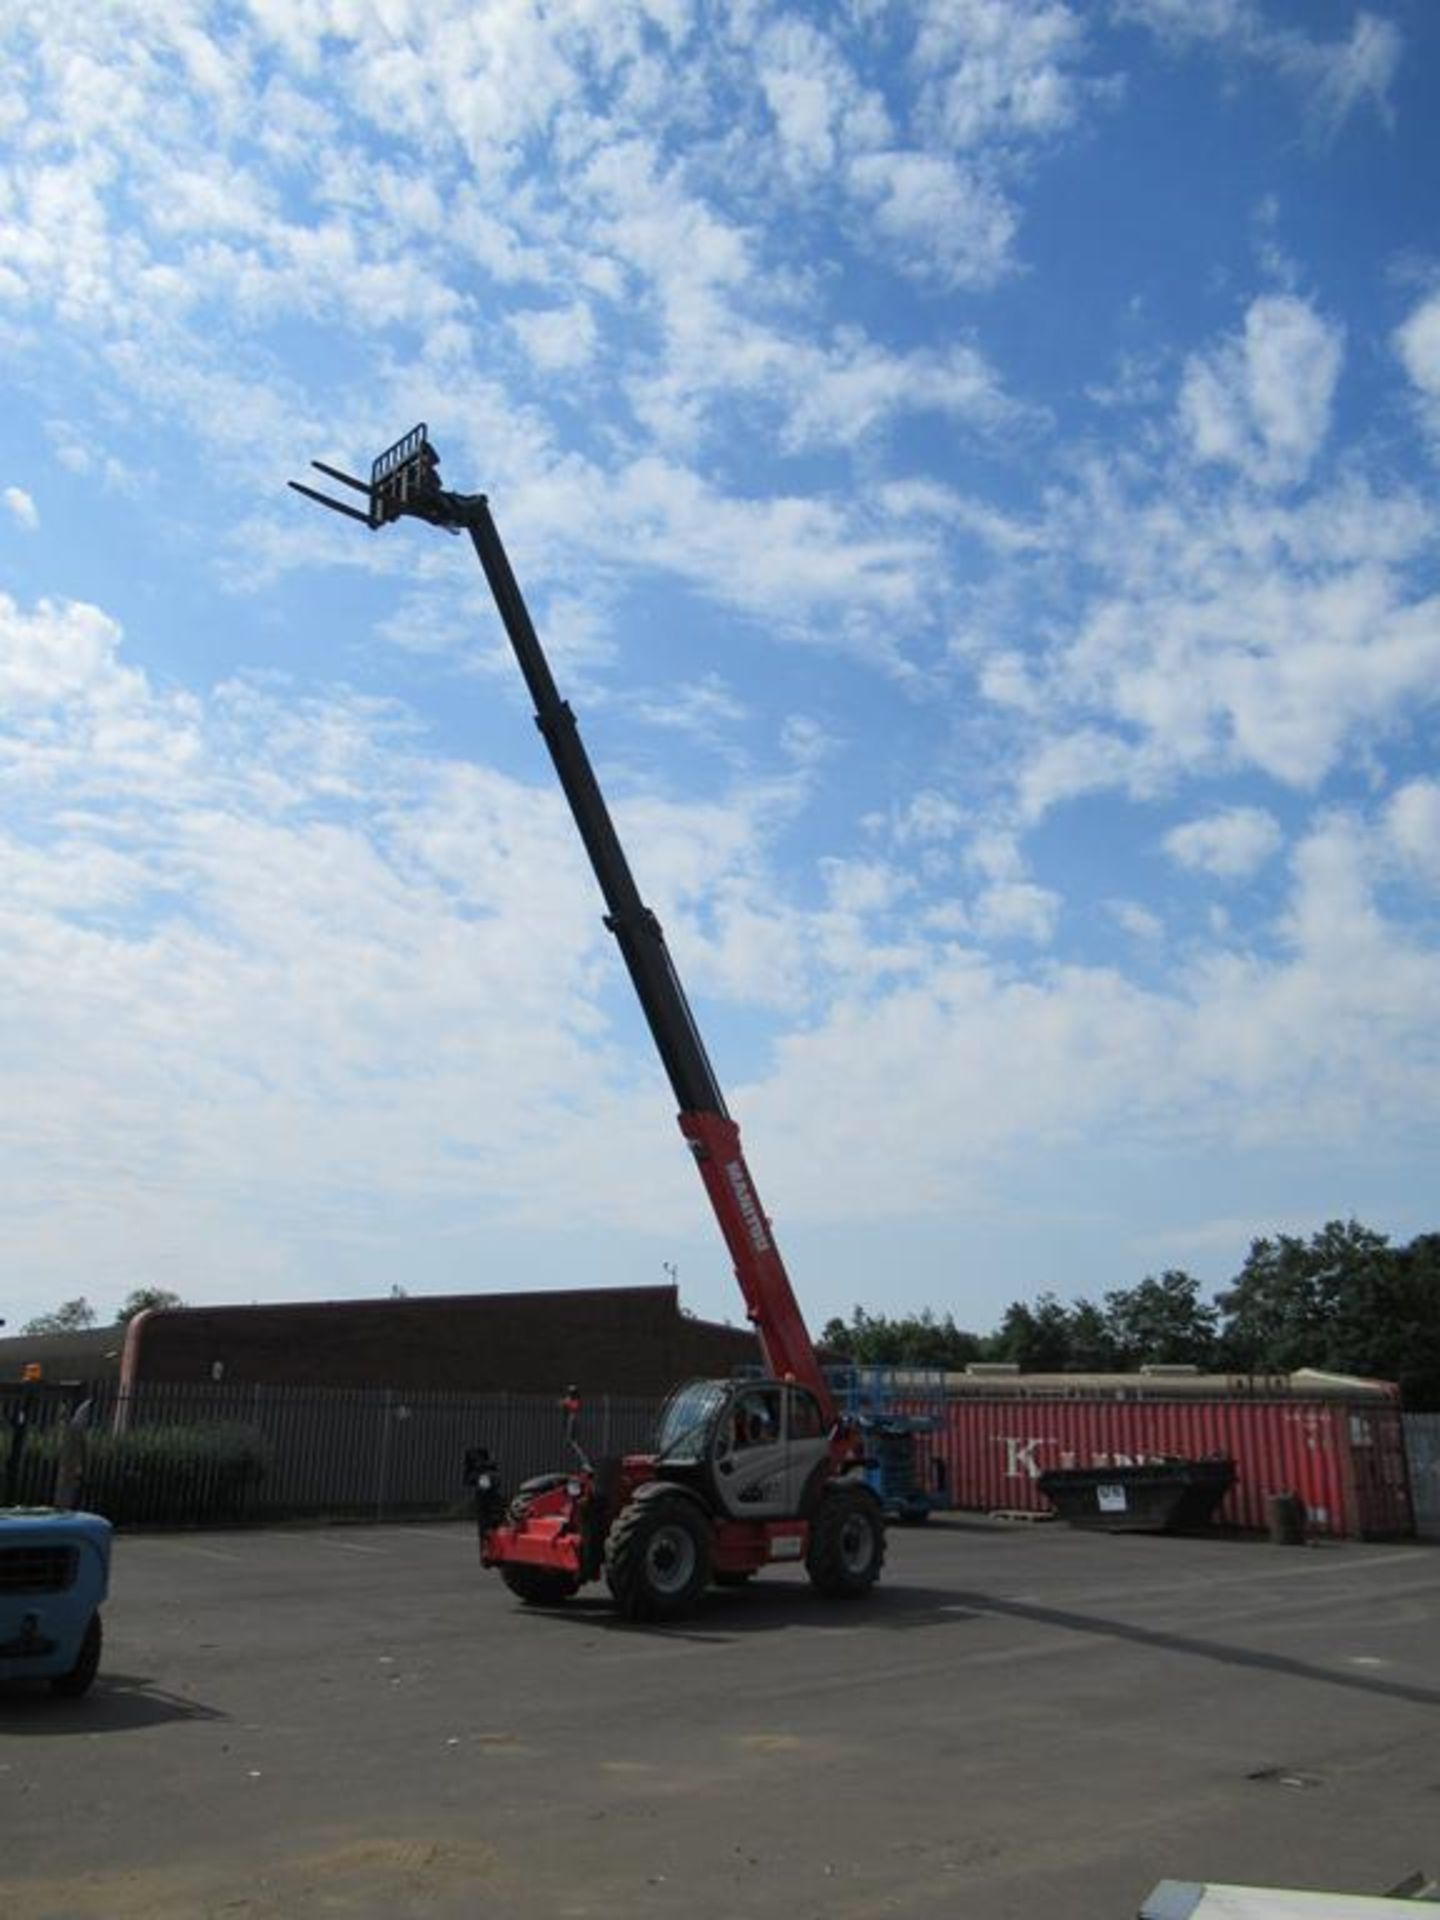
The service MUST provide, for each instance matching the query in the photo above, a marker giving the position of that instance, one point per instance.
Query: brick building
(622, 1340)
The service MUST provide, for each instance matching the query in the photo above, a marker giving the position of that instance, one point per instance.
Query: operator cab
(750, 1446)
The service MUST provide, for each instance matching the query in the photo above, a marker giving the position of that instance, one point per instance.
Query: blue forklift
(897, 1409)
(54, 1561)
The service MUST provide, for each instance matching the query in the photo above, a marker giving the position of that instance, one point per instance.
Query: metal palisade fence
(223, 1455)
(227, 1454)
(1422, 1447)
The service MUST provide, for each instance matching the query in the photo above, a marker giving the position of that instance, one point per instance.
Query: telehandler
(743, 1472)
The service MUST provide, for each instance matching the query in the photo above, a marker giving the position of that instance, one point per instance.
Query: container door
(1377, 1469)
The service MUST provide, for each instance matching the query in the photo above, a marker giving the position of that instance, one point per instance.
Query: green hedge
(159, 1476)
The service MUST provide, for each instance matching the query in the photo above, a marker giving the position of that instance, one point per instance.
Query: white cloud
(820, 106)
(832, 394)
(1340, 78)
(1238, 1048)
(558, 340)
(995, 852)
(1017, 910)
(62, 653)
(842, 395)
(804, 557)
(196, 220)
(1412, 823)
(932, 500)
(1418, 344)
(799, 91)
(1000, 70)
(1007, 679)
(706, 709)
(927, 187)
(1335, 78)
(1262, 403)
(928, 817)
(1198, 629)
(1132, 917)
(1334, 918)
(1065, 764)
(860, 885)
(1232, 844)
(262, 942)
(315, 969)
(806, 741)
(940, 221)
(21, 508)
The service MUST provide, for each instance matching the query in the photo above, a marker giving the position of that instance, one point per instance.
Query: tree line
(1343, 1301)
(77, 1315)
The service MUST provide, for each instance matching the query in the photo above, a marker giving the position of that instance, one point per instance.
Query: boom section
(637, 931)
(404, 481)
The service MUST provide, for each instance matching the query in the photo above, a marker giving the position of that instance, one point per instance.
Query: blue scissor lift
(896, 1409)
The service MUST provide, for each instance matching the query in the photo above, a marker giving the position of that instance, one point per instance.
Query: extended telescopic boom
(405, 481)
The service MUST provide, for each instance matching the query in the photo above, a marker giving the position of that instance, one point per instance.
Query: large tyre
(71, 1685)
(657, 1558)
(539, 1586)
(847, 1543)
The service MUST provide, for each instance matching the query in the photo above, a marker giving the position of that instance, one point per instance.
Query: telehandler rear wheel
(657, 1558)
(847, 1543)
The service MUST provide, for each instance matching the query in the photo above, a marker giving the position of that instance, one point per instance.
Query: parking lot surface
(1021, 1721)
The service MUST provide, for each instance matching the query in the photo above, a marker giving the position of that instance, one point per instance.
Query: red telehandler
(744, 1472)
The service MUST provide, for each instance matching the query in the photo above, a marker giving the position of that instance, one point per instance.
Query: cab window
(755, 1418)
(806, 1420)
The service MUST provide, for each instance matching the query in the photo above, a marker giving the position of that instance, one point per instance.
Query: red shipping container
(1345, 1459)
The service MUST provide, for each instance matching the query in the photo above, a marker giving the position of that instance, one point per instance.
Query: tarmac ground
(1020, 1721)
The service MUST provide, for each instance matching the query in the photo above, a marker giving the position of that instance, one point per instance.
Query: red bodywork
(556, 1532)
(769, 1298)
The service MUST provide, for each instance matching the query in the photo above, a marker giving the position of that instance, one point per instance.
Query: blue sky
(973, 465)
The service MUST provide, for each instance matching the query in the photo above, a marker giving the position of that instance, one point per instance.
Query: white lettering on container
(1020, 1461)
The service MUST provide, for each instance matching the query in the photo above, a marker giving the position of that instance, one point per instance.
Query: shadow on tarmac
(117, 1703)
(730, 1613)
(1230, 1656)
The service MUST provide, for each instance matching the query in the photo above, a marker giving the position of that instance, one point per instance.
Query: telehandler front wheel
(847, 1543)
(657, 1558)
(540, 1586)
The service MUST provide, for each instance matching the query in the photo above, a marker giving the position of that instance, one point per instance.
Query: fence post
(383, 1477)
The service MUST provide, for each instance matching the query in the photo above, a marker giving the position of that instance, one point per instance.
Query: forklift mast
(405, 482)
